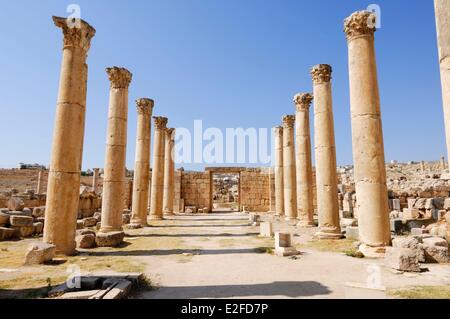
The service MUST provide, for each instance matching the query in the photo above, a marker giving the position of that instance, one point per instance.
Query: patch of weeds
(264, 250)
(422, 292)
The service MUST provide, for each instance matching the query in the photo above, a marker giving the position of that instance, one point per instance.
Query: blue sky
(231, 63)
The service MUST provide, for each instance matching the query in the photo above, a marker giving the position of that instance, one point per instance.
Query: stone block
(39, 212)
(89, 222)
(283, 240)
(20, 213)
(79, 295)
(111, 239)
(403, 259)
(411, 243)
(4, 219)
(21, 221)
(39, 253)
(6, 233)
(352, 232)
(120, 290)
(419, 231)
(435, 242)
(126, 218)
(38, 228)
(266, 229)
(397, 226)
(80, 224)
(437, 254)
(85, 241)
(396, 205)
(23, 231)
(15, 204)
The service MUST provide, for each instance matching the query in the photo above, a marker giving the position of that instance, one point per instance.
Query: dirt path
(221, 256)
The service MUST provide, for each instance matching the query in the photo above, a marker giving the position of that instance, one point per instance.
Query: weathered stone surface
(39, 211)
(437, 254)
(38, 228)
(23, 231)
(39, 253)
(15, 204)
(435, 242)
(266, 229)
(20, 213)
(6, 233)
(78, 295)
(403, 259)
(85, 241)
(80, 224)
(352, 232)
(4, 219)
(126, 218)
(411, 243)
(89, 222)
(419, 231)
(120, 290)
(283, 240)
(111, 239)
(98, 216)
(21, 221)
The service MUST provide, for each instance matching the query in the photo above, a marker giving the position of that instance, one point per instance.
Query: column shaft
(114, 172)
(142, 165)
(367, 136)
(95, 178)
(67, 147)
(305, 209)
(290, 181)
(157, 192)
(169, 172)
(279, 181)
(325, 147)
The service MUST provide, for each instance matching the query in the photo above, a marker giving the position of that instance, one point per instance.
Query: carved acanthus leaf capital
(120, 78)
(144, 106)
(278, 130)
(288, 121)
(160, 122)
(170, 132)
(360, 23)
(78, 34)
(303, 101)
(321, 73)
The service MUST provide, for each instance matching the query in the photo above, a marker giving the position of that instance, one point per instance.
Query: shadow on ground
(168, 252)
(292, 289)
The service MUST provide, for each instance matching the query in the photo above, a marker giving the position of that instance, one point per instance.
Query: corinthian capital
(78, 35)
(303, 101)
(321, 73)
(360, 23)
(160, 122)
(170, 132)
(120, 77)
(144, 106)
(288, 121)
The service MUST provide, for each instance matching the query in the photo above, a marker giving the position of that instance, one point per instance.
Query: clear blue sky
(231, 63)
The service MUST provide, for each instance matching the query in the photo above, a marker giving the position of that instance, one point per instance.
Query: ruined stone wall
(196, 189)
(255, 189)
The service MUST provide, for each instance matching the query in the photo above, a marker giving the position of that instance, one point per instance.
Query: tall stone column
(289, 179)
(442, 11)
(95, 179)
(169, 172)
(442, 163)
(279, 180)
(422, 166)
(142, 165)
(325, 147)
(367, 136)
(63, 186)
(157, 192)
(305, 208)
(114, 172)
(39, 182)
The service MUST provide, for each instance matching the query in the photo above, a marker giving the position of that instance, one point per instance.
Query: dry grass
(343, 246)
(423, 292)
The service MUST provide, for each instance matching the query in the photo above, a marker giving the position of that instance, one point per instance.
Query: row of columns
(64, 174)
(294, 200)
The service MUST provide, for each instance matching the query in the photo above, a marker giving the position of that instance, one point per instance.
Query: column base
(137, 223)
(109, 229)
(133, 226)
(290, 219)
(169, 214)
(109, 239)
(325, 235)
(372, 252)
(306, 224)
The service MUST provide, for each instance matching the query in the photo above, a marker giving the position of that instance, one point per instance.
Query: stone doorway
(225, 189)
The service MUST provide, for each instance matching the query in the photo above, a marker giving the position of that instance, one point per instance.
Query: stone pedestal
(64, 176)
(157, 192)
(305, 209)
(169, 172)
(442, 11)
(326, 167)
(289, 173)
(279, 181)
(114, 181)
(367, 136)
(142, 165)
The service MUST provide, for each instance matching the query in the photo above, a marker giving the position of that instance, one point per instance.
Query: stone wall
(196, 189)
(255, 189)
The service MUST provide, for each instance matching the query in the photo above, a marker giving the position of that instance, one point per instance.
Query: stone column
(305, 208)
(169, 172)
(39, 182)
(95, 179)
(115, 172)
(63, 186)
(279, 181)
(289, 179)
(442, 11)
(157, 192)
(325, 148)
(367, 136)
(422, 166)
(142, 165)
(442, 163)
